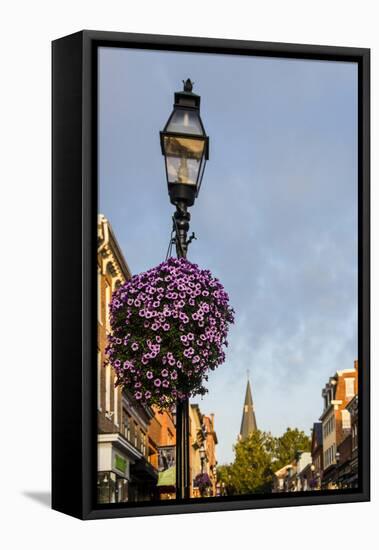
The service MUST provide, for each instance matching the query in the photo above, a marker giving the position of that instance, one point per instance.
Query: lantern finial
(187, 85)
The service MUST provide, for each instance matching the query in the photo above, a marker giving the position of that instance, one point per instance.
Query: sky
(276, 218)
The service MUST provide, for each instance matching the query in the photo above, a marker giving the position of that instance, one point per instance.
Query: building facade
(353, 409)
(124, 470)
(203, 441)
(337, 393)
(210, 449)
(299, 474)
(281, 478)
(348, 449)
(162, 450)
(317, 466)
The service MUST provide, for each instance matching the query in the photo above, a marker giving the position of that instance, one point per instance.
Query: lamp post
(313, 468)
(338, 458)
(185, 147)
(203, 456)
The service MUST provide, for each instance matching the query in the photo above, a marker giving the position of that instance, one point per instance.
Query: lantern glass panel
(185, 121)
(183, 159)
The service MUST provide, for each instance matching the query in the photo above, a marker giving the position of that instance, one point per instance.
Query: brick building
(210, 449)
(353, 409)
(337, 393)
(124, 471)
(162, 441)
(348, 448)
(203, 441)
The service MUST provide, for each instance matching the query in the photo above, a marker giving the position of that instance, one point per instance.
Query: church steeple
(249, 423)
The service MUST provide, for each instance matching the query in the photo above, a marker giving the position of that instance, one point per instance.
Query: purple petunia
(162, 322)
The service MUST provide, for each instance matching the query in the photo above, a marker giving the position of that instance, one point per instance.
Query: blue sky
(276, 219)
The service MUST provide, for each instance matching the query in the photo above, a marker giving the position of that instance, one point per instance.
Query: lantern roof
(187, 98)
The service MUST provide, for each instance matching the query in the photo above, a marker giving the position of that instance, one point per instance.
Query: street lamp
(203, 456)
(338, 457)
(313, 468)
(185, 147)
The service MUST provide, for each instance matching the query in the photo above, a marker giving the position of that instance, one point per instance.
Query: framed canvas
(210, 275)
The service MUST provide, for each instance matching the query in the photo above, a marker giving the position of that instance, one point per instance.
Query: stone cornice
(109, 251)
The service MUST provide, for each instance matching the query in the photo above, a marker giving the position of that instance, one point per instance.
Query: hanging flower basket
(202, 482)
(168, 329)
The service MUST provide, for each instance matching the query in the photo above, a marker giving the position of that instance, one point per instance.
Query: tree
(252, 469)
(224, 478)
(257, 458)
(288, 445)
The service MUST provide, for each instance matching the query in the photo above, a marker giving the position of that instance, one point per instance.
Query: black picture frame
(74, 205)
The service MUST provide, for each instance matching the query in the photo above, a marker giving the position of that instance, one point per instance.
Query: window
(99, 380)
(354, 437)
(135, 435)
(143, 443)
(115, 402)
(107, 302)
(349, 387)
(99, 312)
(126, 425)
(108, 388)
(346, 421)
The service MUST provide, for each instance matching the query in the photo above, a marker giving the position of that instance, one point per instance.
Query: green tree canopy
(252, 471)
(257, 458)
(288, 445)
(224, 477)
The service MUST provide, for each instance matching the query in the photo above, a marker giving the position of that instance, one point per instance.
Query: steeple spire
(248, 423)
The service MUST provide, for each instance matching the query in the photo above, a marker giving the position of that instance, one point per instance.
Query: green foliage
(252, 468)
(224, 477)
(258, 458)
(288, 445)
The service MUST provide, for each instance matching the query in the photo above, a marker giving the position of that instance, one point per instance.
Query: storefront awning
(167, 478)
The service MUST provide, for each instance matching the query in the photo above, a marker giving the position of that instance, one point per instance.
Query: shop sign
(120, 463)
